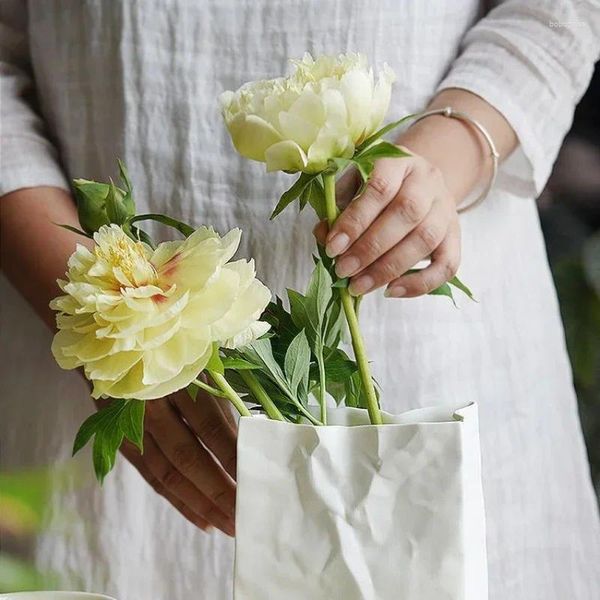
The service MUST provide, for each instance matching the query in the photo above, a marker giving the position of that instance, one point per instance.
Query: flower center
(129, 257)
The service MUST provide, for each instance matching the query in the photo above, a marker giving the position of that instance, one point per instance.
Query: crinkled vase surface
(361, 512)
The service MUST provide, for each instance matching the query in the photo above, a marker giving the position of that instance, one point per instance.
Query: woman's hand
(190, 457)
(408, 211)
(405, 214)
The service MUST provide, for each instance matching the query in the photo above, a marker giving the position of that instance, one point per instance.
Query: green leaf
(341, 283)
(292, 193)
(314, 194)
(142, 236)
(381, 132)
(298, 309)
(119, 419)
(457, 283)
(116, 209)
(284, 327)
(183, 228)
(74, 230)
(215, 364)
(365, 168)
(260, 351)
(124, 176)
(335, 323)
(91, 204)
(297, 361)
(238, 364)
(318, 296)
(444, 290)
(132, 422)
(382, 149)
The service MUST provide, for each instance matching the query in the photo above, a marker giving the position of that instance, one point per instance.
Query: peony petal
(113, 367)
(381, 99)
(309, 107)
(357, 88)
(329, 144)
(285, 156)
(180, 381)
(167, 361)
(297, 129)
(252, 136)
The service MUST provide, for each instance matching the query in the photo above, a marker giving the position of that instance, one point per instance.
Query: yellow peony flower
(142, 322)
(322, 111)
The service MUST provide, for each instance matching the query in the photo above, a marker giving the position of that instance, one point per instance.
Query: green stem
(322, 389)
(230, 393)
(358, 344)
(208, 388)
(261, 396)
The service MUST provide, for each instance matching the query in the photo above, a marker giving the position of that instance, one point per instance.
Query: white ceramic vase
(354, 511)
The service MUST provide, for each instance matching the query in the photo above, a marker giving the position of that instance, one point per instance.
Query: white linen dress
(139, 80)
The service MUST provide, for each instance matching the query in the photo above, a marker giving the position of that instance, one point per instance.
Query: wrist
(455, 148)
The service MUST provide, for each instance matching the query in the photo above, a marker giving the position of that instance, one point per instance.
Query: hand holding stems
(189, 457)
(178, 433)
(408, 210)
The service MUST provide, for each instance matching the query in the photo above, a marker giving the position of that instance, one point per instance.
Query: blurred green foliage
(577, 279)
(23, 497)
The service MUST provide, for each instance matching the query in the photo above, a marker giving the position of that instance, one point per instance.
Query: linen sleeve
(28, 158)
(532, 60)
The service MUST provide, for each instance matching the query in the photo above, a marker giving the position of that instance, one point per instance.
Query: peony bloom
(322, 111)
(143, 322)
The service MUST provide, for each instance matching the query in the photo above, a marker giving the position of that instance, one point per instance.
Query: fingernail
(337, 244)
(362, 285)
(347, 266)
(395, 292)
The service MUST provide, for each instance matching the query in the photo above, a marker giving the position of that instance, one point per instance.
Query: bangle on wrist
(455, 114)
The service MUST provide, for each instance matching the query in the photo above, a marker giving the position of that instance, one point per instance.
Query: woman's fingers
(362, 211)
(420, 243)
(444, 265)
(402, 215)
(207, 420)
(154, 467)
(188, 458)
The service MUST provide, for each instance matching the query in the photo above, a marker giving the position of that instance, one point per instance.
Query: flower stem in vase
(358, 344)
(230, 393)
(261, 396)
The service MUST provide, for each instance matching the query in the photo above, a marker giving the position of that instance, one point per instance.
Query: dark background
(570, 216)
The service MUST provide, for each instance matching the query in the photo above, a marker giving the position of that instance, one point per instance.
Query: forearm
(34, 250)
(455, 147)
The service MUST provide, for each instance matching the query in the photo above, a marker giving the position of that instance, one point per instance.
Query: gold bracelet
(455, 114)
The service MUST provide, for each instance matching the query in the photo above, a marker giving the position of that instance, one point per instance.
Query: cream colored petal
(112, 367)
(297, 129)
(336, 111)
(357, 88)
(165, 252)
(309, 107)
(381, 99)
(285, 156)
(252, 135)
(126, 387)
(153, 337)
(247, 308)
(180, 381)
(89, 348)
(329, 144)
(167, 361)
(211, 303)
(251, 333)
(65, 339)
